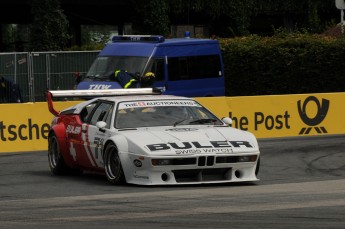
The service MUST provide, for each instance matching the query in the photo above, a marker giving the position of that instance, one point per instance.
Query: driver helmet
(148, 78)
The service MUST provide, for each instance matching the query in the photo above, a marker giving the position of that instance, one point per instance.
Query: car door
(93, 137)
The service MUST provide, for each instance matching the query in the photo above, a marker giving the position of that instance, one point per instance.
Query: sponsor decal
(199, 151)
(182, 129)
(262, 121)
(137, 163)
(197, 147)
(163, 103)
(313, 122)
(141, 177)
(73, 129)
(24, 131)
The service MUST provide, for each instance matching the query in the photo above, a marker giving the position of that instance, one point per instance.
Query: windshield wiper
(178, 122)
(203, 121)
(94, 77)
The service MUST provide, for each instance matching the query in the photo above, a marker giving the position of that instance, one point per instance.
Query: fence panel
(39, 74)
(14, 69)
(36, 72)
(57, 70)
(64, 66)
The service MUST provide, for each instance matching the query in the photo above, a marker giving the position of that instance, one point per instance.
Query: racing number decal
(93, 144)
(99, 146)
(85, 138)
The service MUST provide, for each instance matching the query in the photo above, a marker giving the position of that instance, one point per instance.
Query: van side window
(194, 67)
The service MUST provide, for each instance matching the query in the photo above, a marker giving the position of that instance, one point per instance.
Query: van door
(193, 70)
(195, 76)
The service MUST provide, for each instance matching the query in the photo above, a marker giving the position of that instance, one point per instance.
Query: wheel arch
(119, 141)
(59, 131)
(106, 155)
(121, 144)
(107, 142)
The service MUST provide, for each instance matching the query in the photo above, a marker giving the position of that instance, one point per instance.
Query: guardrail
(25, 127)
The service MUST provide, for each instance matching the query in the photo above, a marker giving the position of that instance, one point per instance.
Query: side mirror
(227, 121)
(79, 76)
(101, 126)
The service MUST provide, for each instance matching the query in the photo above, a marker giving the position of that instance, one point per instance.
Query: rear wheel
(112, 165)
(56, 162)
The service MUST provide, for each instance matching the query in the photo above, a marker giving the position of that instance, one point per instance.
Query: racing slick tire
(56, 162)
(112, 165)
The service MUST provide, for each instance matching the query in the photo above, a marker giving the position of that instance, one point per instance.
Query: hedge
(291, 64)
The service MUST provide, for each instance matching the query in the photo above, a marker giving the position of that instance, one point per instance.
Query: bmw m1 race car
(141, 137)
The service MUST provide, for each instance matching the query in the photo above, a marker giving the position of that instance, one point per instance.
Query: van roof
(145, 48)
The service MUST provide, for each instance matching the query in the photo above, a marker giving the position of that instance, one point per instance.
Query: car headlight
(249, 158)
(159, 162)
(173, 161)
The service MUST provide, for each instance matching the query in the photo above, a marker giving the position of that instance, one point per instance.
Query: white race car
(139, 137)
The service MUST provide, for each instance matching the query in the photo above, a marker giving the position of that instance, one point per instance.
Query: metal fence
(36, 72)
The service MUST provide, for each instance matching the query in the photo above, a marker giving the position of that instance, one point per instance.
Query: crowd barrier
(25, 127)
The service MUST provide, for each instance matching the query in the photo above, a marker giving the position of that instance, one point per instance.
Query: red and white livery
(141, 137)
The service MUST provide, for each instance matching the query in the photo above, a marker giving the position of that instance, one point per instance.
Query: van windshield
(104, 67)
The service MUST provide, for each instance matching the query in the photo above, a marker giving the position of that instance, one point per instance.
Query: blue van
(182, 66)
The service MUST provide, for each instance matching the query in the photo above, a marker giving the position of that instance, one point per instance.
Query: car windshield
(103, 68)
(163, 113)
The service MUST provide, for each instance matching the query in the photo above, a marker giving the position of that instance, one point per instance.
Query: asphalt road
(302, 186)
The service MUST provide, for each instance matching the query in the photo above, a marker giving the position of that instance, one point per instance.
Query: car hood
(189, 140)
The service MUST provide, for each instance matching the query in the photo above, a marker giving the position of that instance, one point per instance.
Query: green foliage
(285, 64)
(96, 34)
(87, 47)
(8, 36)
(229, 17)
(151, 16)
(157, 19)
(271, 7)
(298, 14)
(235, 17)
(49, 30)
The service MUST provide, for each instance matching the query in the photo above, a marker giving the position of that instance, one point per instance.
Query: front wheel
(56, 162)
(112, 165)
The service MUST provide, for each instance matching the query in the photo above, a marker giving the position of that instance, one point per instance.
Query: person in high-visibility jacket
(129, 80)
(125, 79)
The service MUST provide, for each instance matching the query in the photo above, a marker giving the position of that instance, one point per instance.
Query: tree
(227, 17)
(151, 16)
(49, 30)
(297, 14)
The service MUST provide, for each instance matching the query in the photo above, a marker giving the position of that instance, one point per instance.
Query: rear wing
(89, 94)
